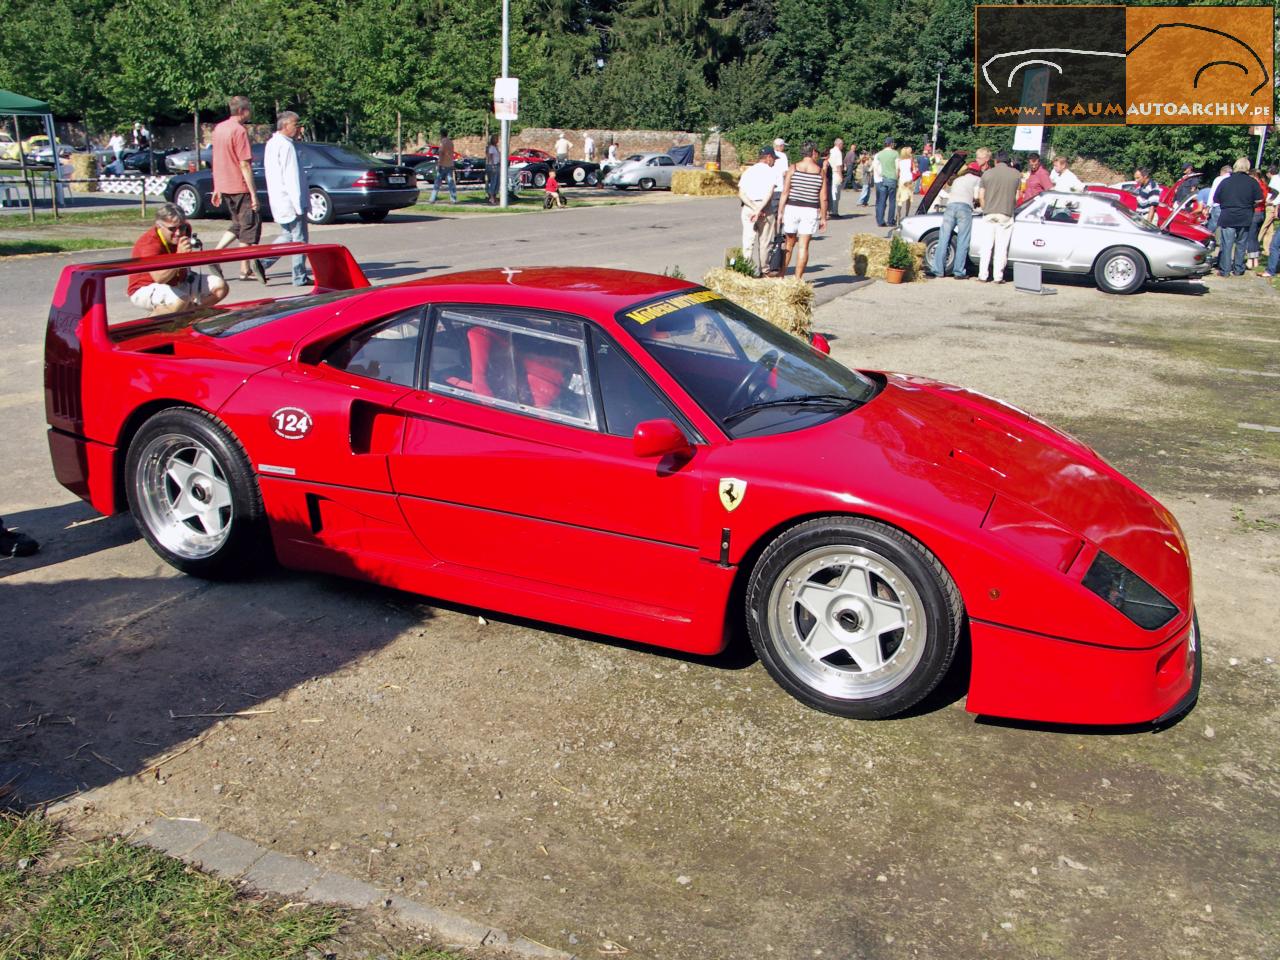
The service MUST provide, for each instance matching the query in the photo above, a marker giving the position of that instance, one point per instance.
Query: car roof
(584, 290)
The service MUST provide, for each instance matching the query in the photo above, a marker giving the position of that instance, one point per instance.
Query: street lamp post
(505, 158)
(937, 97)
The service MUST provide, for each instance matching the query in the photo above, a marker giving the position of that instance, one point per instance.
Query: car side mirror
(657, 438)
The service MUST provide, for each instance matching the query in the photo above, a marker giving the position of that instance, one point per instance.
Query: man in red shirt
(233, 181)
(169, 291)
(1038, 179)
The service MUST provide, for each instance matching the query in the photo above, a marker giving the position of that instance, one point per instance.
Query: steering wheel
(750, 387)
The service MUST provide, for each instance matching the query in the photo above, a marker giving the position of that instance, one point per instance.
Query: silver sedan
(644, 170)
(1084, 234)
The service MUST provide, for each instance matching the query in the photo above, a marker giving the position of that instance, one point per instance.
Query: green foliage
(739, 262)
(823, 123)
(675, 272)
(899, 253)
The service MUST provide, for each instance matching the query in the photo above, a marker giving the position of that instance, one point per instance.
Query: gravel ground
(578, 790)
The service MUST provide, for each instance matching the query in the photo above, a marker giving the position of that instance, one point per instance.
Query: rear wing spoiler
(78, 314)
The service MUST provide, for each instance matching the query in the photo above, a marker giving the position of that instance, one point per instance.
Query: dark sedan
(465, 170)
(341, 181)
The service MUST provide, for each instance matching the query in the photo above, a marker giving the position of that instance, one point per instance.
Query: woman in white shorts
(803, 208)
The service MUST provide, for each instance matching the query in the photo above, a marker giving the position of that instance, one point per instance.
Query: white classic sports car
(644, 170)
(1085, 234)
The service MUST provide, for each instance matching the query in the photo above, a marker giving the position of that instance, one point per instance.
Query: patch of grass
(131, 214)
(108, 899)
(1252, 523)
(11, 248)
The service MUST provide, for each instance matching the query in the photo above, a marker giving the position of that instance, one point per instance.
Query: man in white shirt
(758, 191)
(1063, 178)
(563, 146)
(835, 164)
(782, 165)
(1214, 210)
(287, 189)
(116, 144)
(588, 148)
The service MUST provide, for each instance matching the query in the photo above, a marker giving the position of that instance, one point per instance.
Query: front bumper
(1027, 676)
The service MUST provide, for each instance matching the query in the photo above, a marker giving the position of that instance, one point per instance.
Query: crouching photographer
(171, 291)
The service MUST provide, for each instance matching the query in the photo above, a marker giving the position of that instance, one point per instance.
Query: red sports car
(531, 155)
(1177, 211)
(637, 456)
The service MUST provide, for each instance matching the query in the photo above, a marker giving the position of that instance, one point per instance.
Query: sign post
(506, 98)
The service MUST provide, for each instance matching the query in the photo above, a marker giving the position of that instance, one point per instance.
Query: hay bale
(870, 256)
(705, 183)
(84, 167)
(786, 303)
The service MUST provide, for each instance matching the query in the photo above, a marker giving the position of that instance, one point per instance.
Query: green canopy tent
(15, 105)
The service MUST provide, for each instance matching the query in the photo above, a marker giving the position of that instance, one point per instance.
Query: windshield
(750, 376)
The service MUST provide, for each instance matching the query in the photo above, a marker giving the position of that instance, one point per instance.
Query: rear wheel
(187, 199)
(853, 617)
(372, 216)
(647, 183)
(1121, 270)
(578, 175)
(592, 179)
(539, 179)
(319, 207)
(193, 494)
(931, 249)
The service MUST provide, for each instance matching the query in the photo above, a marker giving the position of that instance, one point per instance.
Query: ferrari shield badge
(731, 493)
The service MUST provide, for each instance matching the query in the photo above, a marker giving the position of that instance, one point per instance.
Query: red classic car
(1177, 211)
(531, 155)
(637, 456)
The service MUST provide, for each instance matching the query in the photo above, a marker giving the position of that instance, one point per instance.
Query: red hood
(1028, 461)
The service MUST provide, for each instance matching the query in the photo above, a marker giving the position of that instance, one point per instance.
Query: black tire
(243, 545)
(319, 207)
(539, 179)
(898, 572)
(931, 248)
(372, 216)
(1120, 270)
(647, 183)
(593, 178)
(188, 199)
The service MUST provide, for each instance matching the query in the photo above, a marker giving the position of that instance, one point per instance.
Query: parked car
(632, 455)
(1086, 234)
(185, 161)
(571, 173)
(1177, 210)
(530, 155)
(465, 170)
(10, 149)
(39, 151)
(648, 171)
(341, 181)
(148, 161)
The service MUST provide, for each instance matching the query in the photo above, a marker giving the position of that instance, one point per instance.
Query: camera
(186, 231)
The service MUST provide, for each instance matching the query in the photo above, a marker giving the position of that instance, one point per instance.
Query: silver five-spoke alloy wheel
(184, 496)
(848, 622)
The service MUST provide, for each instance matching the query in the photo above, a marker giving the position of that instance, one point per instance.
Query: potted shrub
(899, 263)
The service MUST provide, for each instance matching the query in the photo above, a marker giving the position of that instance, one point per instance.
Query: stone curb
(234, 858)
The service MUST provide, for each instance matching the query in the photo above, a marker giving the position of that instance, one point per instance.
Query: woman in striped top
(803, 208)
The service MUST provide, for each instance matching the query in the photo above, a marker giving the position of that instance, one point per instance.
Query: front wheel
(648, 183)
(578, 175)
(187, 199)
(539, 179)
(592, 179)
(1121, 270)
(193, 494)
(319, 207)
(853, 617)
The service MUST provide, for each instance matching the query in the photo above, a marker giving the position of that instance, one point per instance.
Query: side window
(533, 365)
(627, 396)
(387, 350)
(666, 162)
(1062, 211)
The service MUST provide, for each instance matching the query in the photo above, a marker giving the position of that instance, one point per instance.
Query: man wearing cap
(758, 191)
(783, 164)
(886, 163)
(957, 216)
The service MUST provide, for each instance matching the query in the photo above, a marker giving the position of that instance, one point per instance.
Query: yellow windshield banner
(672, 304)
